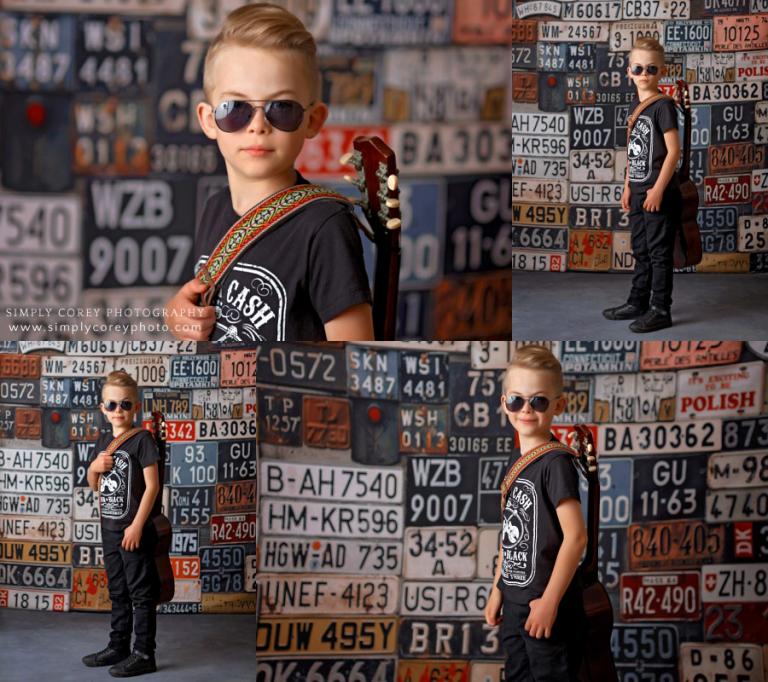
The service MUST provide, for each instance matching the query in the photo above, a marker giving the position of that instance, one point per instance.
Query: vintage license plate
(326, 519)
(173, 404)
(86, 504)
(488, 24)
(715, 93)
(623, 34)
(88, 556)
(47, 461)
(338, 483)
(437, 670)
(185, 541)
(176, 429)
(760, 180)
(20, 391)
(372, 372)
(597, 165)
(350, 84)
(355, 557)
(35, 505)
(747, 32)
(539, 123)
(191, 505)
(652, 648)
(753, 233)
(238, 368)
(36, 553)
(40, 224)
(185, 567)
(193, 463)
(426, 638)
(215, 429)
(488, 551)
(195, 371)
(288, 364)
(34, 575)
(423, 429)
(280, 417)
(447, 598)
(578, 392)
(32, 482)
(89, 590)
(66, 366)
(538, 214)
(18, 366)
(655, 9)
(236, 602)
(476, 412)
(751, 65)
(236, 496)
(328, 636)
(597, 357)
(28, 423)
(441, 491)
(737, 505)
(424, 376)
(675, 544)
(342, 595)
(660, 438)
(319, 158)
(738, 469)
(539, 189)
(36, 528)
(86, 392)
(47, 279)
(676, 491)
(491, 471)
(534, 259)
(537, 145)
(725, 391)
(540, 167)
(718, 239)
(745, 434)
(726, 662)
(635, 397)
(656, 355)
(233, 528)
(710, 68)
(660, 596)
(758, 262)
(147, 370)
(735, 622)
(237, 460)
(589, 249)
(86, 532)
(188, 590)
(498, 354)
(599, 10)
(450, 552)
(603, 217)
(38, 600)
(592, 128)
(692, 35)
(578, 32)
(615, 476)
(525, 86)
(342, 670)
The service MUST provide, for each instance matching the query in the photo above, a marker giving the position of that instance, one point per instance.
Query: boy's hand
(653, 199)
(541, 618)
(187, 320)
(131, 538)
(103, 463)
(625, 197)
(493, 607)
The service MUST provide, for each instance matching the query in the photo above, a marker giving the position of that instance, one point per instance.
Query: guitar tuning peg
(393, 203)
(394, 224)
(392, 182)
(356, 181)
(351, 159)
(592, 469)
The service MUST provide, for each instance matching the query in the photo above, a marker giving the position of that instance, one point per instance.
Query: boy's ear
(317, 118)
(205, 118)
(560, 405)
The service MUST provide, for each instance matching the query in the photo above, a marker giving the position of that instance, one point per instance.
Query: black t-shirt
(122, 488)
(531, 534)
(298, 276)
(646, 149)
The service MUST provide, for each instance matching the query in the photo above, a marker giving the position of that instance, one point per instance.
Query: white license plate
(737, 505)
(721, 662)
(760, 180)
(660, 437)
(596, 193)
(753, 231)
(354, 484)
(348, 595)
(596, 165)
(593, 10)
(222, 429)
(88, 532)
(33, 280)
(577, 31)
(656, 9)
(35, 505)
(498, 354)
(326, 519)
(533, 259)
(717, 93)
(710, 68)
(540, 167)
(296, 555)
(487, 672)
(723, 391)
(63, 366)
(445, 553)
(539, 189)
(37, 600)
(217, 403)
(647, 397)
(36, 482)
(49, 461)
(39, 224)
(751, 65)
(488, 552)
(34, 528)
(147, 370)
(540, 145)
(187, 590)
(623, 34)
(86, 504)
(733, 583)
(539, 123)
(444, 598)
(747, 469)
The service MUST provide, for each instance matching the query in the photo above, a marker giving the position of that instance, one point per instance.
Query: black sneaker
(135, 664)
(626, 311)
(108, 656)
(652, 321)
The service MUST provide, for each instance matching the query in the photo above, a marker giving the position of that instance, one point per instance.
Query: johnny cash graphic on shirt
(115, 488)
(518, 535)
(640, 150)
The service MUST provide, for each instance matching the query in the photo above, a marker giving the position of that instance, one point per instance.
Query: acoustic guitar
(160, 521)
(597, 664)
(688, 238)
(377, 180)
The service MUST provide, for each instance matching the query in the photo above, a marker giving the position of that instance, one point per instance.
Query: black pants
(553, 659)
(653, 243)
(134, 587)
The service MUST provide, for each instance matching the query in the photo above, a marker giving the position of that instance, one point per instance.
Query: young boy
(305, 279)
(651, 194)
(128, 484)
(543, 534)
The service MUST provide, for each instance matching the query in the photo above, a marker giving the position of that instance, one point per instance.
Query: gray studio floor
(568, 305)
(39, 645)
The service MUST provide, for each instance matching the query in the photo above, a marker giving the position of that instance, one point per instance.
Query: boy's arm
(656, 193)
(544, 609)
(353, 324)
(185, 319)
(495, 598)
(132, 534)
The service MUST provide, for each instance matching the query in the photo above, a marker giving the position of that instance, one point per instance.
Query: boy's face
(528, 383)
(259, 150)
(646, 81)
(119, 417)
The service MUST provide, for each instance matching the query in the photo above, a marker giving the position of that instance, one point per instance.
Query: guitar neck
(589, 563)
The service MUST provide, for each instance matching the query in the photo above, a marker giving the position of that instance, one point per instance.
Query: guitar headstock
(159, 429)
(377, 180)
(584, 444)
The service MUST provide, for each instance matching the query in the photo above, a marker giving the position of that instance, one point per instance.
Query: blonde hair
(537, 358)
(649, 44)
(122, 379)
(268, 27)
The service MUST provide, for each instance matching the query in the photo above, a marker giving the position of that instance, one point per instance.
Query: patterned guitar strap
(524, 461)
(253, 225)
(122, 438)
(640, 108)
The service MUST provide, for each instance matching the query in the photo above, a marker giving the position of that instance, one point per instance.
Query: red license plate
(736, 622)
(233, 528)
(18, 366)
(729, 189)
(660, 596)
(320, 155)
(176, 429)
(745, 32)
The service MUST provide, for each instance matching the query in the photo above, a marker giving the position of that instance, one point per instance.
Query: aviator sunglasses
(650, 69)
(111, 405)
(538, 403)
(235, 114)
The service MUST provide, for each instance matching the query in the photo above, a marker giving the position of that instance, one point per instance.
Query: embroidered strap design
(528, 458)
(254, 224)
(640, 108)
(117, 442)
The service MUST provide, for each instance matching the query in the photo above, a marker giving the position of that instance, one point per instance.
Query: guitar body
(160, 521)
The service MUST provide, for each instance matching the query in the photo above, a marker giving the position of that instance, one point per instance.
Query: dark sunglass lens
(233, 115)
(515, 403)
(652, 69)
(540, 403)
(126, 405)
(110, 405)
(284, 114)
(637, 70)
